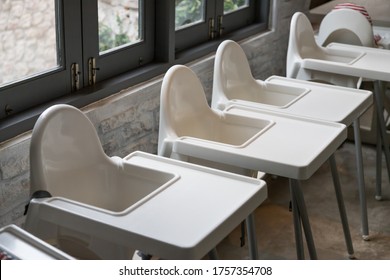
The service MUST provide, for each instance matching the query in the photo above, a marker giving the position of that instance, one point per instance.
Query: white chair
(191, 131)
(348, 26)
(96, 207)
(233, 82)
(67, 160)
(305, 60)
(345, 26)
(302, 45)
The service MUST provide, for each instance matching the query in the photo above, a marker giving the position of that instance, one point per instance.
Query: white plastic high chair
(343, 65)
(233, 83)
(349, 26)
(191, 131)
(345, 26)
(96, 207)
(302, 45)
(67, 160)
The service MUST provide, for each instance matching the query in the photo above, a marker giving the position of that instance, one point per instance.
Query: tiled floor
(274, 221)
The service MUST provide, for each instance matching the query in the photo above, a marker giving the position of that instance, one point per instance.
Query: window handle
(92, 69)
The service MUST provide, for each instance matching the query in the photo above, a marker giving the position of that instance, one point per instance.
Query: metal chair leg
(301, 207)
(381, 123)
(297, 225)
(341, 205)
(361, 183)
(378, 184)
(252, 240)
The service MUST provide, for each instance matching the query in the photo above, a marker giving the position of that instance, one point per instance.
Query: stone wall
(128, 121)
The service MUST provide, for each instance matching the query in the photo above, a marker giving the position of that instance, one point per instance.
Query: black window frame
(164, 56)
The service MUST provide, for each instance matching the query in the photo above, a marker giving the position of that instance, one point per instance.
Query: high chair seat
(101, 207)
(275, 143)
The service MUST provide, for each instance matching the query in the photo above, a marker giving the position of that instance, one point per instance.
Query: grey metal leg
(378, 185)
(341, 205)
(361, 184)
(381, 123)
(213, 254)
(252, 240)
(297, 195)
(297, 225)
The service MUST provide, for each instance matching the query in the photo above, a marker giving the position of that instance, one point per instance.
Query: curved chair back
(301, 44)
(184, 110)
(66, 156)
(346, 26)
(232, 74)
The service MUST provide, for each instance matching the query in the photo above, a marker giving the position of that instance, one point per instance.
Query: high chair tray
(372, 63)
(184, 220)
(16, 243)
(293, 147)
(323, 101)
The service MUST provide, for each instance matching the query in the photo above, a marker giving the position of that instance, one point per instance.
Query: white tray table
(185, 219)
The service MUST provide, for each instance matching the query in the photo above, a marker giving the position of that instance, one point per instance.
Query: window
(51, 48)
(118, 36)
(197, 21)
(79, 51)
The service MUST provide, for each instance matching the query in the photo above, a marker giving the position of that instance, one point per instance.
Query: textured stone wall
(128, 121)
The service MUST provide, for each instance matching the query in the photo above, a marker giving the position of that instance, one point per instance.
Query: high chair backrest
(64, 153)
(346, 26)
(184, 110)
(232, 73)
(301, 44)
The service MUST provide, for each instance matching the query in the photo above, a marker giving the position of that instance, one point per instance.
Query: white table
(184, 220)
(16, 243)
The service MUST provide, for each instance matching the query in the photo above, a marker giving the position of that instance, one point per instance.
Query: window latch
(92, 69)
(220, 26)
(75, 77)
(212, 32)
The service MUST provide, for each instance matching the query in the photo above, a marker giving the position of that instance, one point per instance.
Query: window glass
(189, 12)
(119, 23)
(28, 39)
(233, 5)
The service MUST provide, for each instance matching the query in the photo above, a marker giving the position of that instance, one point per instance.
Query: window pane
(119, 23)
(28, 43)
(189, 12)
(233, 5)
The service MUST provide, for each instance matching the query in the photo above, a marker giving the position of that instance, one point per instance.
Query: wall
(128, 121)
